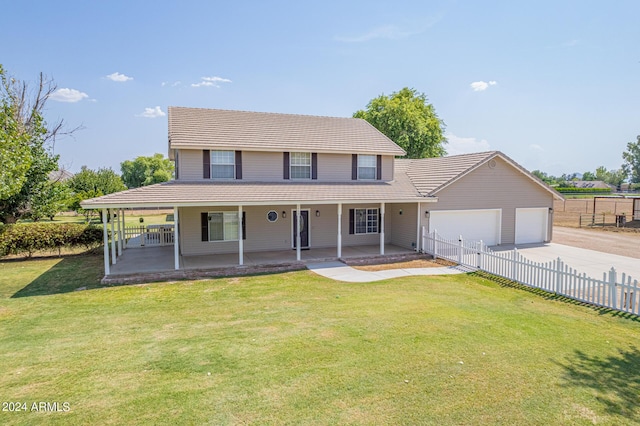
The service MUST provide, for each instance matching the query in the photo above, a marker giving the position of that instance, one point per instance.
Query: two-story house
(261, 182)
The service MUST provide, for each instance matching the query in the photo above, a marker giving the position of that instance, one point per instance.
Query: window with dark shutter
(206, 164)
(354, 166)
(352, 221)
(285, 165)
(314, 165)
(238, 164)
(244, 225)
(379, 167)
(204, 225)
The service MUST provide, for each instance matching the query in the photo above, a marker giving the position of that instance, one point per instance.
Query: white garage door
(473, 225)
(531, 225)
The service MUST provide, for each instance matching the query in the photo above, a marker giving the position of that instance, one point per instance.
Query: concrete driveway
(593, 263)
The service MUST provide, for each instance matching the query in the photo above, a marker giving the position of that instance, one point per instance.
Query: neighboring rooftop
(198, 128)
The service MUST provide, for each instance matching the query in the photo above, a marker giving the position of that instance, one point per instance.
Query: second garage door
(471, 224)
(532, 225)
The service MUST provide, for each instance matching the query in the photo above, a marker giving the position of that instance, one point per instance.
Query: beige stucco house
(245, 180)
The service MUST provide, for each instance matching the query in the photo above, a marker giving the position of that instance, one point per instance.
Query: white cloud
(68, 95)
(120, 78)
(480, 86)
(536, 147)
(211, 82)
(174, 84)
(458, 145)
(392, 32)
(152, 113)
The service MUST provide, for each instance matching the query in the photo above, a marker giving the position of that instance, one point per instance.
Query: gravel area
(620, 243)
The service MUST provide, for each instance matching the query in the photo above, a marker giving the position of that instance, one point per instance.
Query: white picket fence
(150, 235)
(554, 276)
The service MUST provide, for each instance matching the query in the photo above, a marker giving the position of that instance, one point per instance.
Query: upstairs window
(300, 165)
(366, 167)
(223, 165)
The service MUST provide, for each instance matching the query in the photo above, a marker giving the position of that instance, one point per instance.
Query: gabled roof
(198, 128)
(431, 175)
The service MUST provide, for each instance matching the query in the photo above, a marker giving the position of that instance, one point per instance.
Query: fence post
(480, 248)
(435, 245)
(460, 250)
(514, 266)
(613, 294)
(559, 268)
(142, 236)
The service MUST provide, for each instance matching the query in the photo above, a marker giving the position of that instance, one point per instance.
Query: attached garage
(473, 225)
(532, 225)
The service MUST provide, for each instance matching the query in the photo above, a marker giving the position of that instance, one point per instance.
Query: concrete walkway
(339, 271)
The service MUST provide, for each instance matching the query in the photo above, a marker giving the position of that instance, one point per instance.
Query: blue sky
(553, 84)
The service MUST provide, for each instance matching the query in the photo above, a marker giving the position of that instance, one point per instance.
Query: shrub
(574, 190)
(31, 237)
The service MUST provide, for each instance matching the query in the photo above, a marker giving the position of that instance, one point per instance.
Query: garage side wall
(502, 187)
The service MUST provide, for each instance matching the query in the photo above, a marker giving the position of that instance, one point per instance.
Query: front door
(304, 229)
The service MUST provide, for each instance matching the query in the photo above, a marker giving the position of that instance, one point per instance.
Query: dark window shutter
(379, 167)
(238, 164)
(206, 164)
(352, 221)
(285, 165)
(204, 225)
(244, 225)
(354, 166)
(379, 221)
(314, 165)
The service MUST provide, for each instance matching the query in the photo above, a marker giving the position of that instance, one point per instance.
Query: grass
(296, 348)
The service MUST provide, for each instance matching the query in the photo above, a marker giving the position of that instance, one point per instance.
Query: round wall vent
(492, 164)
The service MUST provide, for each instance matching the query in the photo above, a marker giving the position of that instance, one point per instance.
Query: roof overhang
(200, 147)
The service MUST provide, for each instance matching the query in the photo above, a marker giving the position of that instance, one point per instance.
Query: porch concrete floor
(160, 259)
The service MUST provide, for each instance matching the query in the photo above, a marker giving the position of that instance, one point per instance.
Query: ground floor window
(366, 221)
(223, 226)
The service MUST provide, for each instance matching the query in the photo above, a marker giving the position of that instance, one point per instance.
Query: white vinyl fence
(554, 276)
(147, 236)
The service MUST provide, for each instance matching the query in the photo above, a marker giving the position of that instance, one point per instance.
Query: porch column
(419, 225)
(176, 240)
(339, 230)
(105, 239)
(381, 228)
(298, 238)
(124, 232)
(119, 234)
(240, 242)
(113, 239)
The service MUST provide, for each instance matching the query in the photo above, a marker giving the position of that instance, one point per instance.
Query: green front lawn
(296, 348)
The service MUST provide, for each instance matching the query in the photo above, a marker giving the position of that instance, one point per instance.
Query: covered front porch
(150, 260)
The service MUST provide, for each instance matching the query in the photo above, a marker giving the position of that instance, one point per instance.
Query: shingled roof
(198, 128)
(431, 175)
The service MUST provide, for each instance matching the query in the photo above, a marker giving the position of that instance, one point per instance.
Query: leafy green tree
(409, 120)
(612, 177)
(90, 183)
(632, 160)
(51, 200)
(146, 171)
(26, 144)
(589, 176)
(548, 179)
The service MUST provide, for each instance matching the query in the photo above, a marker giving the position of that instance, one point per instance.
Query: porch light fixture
(284, 214)
(426, 213)
(400, 212)
(550, 209)
(317, 213)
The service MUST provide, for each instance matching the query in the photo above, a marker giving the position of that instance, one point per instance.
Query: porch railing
(149, 235)
(554, 276)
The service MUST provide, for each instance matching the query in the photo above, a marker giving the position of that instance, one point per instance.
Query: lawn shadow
(614, 379)
(73, 272)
